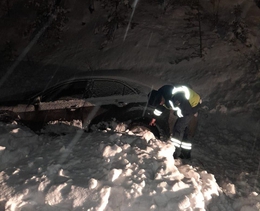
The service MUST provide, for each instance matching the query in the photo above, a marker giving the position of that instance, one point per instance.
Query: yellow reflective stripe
(157, 112)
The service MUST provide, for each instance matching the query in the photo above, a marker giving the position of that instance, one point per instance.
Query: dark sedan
(89, 98)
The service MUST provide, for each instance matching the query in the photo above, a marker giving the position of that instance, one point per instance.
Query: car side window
(73, 90)
(105, 88)
(90, 88)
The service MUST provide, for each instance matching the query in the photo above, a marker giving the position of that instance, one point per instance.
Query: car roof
(144, 82)
(138, 77)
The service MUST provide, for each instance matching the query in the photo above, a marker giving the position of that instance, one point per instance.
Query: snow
(65, 168)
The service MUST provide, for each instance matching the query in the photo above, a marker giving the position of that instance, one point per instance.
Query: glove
(152, 123)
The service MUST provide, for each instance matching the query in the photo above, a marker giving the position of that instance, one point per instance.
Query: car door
(75, 100)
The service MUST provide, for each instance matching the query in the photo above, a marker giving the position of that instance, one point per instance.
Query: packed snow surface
(66, 168)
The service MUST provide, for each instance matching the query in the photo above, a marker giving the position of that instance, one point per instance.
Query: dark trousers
(180, 127)
(180, 132)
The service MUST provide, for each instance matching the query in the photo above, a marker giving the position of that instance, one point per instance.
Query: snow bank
(101, 171)
(16, 143)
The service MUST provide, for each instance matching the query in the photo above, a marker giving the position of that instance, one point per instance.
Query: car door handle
(73, 108)
(121, 104)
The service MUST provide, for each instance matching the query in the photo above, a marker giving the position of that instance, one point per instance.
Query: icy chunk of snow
(166, 151)
(104, 195)
(184, 204)
(92, 184)
(80, 195)
(121, 127)
(111, 151)
(180, 186)
(63, 173)
(54, 195)
(230, 190)
(114, 174)
(148, 135)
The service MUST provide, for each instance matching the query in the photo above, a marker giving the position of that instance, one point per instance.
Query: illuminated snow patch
(105, 171)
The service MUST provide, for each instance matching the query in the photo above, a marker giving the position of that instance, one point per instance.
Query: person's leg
(180, 125)
(178, 134)
(171, 122)
(192, 126)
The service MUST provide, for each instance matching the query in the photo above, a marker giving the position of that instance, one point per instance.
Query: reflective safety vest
(189, 94)
(194, 98)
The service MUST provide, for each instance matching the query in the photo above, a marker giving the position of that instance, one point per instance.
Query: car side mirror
(36, 102)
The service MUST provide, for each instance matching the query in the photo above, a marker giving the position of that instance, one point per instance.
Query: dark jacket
(178, 100)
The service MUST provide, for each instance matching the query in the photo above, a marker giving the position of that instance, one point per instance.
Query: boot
(177, 152)
(185, 154)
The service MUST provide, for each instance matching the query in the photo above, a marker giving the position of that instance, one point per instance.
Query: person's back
(184, 102)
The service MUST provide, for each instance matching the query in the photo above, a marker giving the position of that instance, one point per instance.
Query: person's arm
(181, 105)
(196, 108)
(157, 114)
(166, 92)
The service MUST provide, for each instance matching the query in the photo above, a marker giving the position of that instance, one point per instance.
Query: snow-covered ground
(65, 168)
